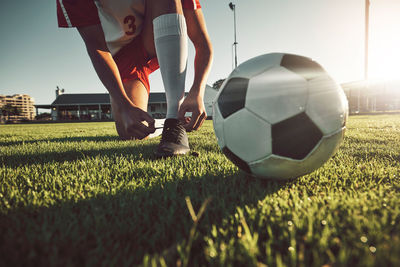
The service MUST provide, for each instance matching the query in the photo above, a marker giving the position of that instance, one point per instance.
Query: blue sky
(36, 56)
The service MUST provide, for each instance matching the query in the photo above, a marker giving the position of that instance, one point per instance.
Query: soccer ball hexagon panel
(232, 97)
(257, 132)
(276, 94)
(277, 167)
(279, 116)
(295, 137)
(327, 104)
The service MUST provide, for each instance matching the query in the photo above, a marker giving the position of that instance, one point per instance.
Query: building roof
(157, 98)
(81, 99)
(43, 106)
(96, 99)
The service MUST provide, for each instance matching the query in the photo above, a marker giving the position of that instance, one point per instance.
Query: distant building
(98, 106)
(24, 103)
(209, 96)
(372, 96)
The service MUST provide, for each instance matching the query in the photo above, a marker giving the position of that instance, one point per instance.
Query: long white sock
(170, 37)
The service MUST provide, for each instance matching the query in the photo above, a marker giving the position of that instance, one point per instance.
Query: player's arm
(103, 62)
(197, 32)
(108, 73)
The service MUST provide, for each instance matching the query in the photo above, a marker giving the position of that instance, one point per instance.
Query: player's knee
(160, 7)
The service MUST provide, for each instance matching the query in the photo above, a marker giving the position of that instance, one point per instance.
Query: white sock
(170, 38)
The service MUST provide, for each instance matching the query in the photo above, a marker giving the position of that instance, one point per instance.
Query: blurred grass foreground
(73, 194)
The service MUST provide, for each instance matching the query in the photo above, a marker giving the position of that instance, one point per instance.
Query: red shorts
(134, 63)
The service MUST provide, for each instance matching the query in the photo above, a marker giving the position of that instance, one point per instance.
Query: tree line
(9, 110)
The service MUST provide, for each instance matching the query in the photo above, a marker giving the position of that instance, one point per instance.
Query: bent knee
(161, 7)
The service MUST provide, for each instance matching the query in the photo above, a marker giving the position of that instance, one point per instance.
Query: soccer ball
(279, 116)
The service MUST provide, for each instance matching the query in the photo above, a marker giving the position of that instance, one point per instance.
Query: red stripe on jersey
(76, 13)
(191, 4)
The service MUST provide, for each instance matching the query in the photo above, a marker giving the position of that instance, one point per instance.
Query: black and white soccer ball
(279, 116)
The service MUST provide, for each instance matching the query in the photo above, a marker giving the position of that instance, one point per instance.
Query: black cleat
(174, 140)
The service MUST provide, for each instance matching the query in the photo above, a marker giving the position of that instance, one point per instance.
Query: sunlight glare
(384, 52)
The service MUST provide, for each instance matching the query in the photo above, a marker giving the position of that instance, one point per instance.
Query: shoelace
(173, 134)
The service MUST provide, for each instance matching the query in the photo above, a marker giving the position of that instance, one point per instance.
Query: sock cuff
(169, 24)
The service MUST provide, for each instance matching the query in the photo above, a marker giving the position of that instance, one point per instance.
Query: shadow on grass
(104, 138)
(140, 150)
(119, 228)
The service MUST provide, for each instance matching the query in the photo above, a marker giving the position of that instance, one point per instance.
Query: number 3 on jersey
(130, 22)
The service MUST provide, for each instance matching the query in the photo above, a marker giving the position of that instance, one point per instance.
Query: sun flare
(384, 41)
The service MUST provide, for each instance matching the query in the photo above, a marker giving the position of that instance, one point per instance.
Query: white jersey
(121, 21)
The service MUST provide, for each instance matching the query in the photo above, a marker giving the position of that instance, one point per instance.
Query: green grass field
(73, 194)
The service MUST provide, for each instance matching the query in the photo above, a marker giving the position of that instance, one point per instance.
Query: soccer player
(126, 41)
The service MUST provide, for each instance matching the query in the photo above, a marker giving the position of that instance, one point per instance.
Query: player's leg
(165, 35)
(137, 93)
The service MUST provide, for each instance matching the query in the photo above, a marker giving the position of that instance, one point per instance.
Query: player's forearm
(108, 73)
(202, 66)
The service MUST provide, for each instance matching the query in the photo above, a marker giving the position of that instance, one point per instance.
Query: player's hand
(193, 103)
(136, 122)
